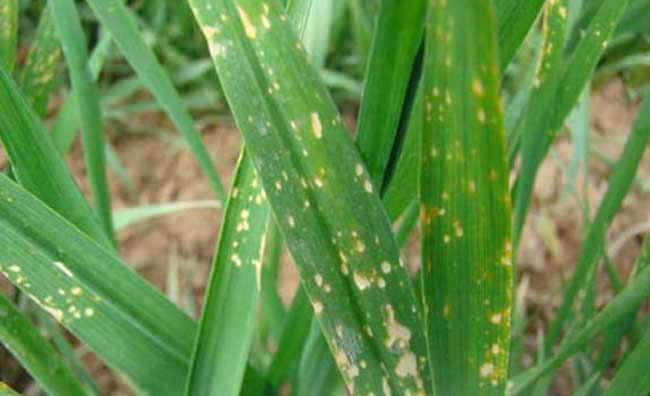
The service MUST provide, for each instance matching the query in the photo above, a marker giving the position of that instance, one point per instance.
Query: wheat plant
(439, 147)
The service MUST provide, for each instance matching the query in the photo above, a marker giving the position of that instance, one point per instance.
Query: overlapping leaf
(395, 45)
(121, 24)
(132, 327)
(227, 326)
(321, 196)
(36, 163)
(35, 353)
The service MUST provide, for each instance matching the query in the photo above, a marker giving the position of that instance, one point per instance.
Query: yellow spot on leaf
(250, 30)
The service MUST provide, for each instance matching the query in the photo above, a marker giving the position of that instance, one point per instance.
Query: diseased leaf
(39, 73)
(8, 32)
(35, 353)
(227, 326)
(133, 327)
(465, 204)
(322, 199)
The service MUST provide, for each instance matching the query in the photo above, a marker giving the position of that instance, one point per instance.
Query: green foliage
(465, 203)
(431, 79)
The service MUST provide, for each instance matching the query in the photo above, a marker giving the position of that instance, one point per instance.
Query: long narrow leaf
(550, 106)
(465, 205)
(621, 306)
(39, 74)
(515, 19)
(124, 218)
(227, 327)
(133, 328)
(321, 196)
(114, 15)
(620, 182)
(70, 31)
(36, 163)
(35, 353)
(8, 32)
(536, 123)
(394, 49)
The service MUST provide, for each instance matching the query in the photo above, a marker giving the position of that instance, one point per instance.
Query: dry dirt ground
(182, 244)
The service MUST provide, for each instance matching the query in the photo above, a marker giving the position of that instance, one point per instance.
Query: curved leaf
(36, 163)
(133, 327)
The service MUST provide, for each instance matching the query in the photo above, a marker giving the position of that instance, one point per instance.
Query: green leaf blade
(619, 184)
(35, 353)
(114, 15)
(36, 163)
(228, 319)
(134, 328)
(465, 205)
(38, 76)
(326, 209)
(8, 32)
(632, 378)
(395, 45)
(73, 40)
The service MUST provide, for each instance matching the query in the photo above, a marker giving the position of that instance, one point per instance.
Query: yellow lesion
(249, 28)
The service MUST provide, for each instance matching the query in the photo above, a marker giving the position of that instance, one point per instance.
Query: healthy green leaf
(515, 18)
(35, 353)
(290, 345)
(36, 164)
(227, 326)
(68, 23)
(465, 204)
(114, 15)
(133, 328)
(8, 32)
(124, 218)
(394, 48)
(68, 121)
(620, 182)
(317, 373)
(321, 196)
(403, 189)
(614, 336)
(632, 378)
(621, 306)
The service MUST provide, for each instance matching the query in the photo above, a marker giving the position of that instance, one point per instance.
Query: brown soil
(182, 244)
